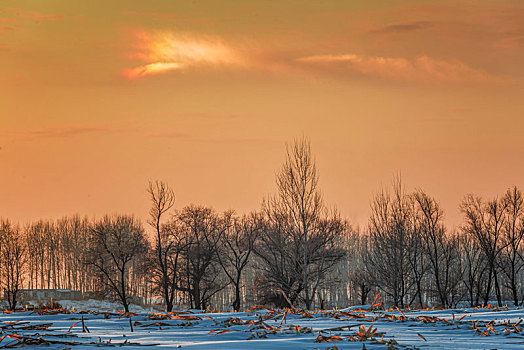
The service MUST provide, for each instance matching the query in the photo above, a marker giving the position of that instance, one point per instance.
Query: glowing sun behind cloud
(150, 69)
(168, 51)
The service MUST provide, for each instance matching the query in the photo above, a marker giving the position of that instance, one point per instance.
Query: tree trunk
(497, 288)
(488, 287)
(419, 291)
(196, 297)
(169, 305)
(514, 292)
(123, 290)
(236, 303)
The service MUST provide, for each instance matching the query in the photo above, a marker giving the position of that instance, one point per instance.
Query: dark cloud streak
(401, 27)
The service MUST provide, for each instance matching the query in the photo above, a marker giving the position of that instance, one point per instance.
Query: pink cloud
(149, 69)
(163, 52)
(420, 69)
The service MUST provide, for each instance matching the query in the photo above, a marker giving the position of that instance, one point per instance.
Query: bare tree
(389, 232)
(485, 223)
(202, 229)
(280, 254)
(58, 254)
(511, 259)
(280, 249)
(300, 219)
(236, 247)
(297, 184)
(417, 257)
(440, 250)
(359, 277)
(73, 233)
(115, 243)
(38, 234)
(12, 261)
(167, 242)
(475, 267)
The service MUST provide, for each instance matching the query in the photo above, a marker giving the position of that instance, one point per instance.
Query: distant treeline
(294, 252)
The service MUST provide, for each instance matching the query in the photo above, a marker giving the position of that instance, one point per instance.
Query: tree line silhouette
(295, 251)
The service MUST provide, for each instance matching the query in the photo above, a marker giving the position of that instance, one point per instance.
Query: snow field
(260, 328)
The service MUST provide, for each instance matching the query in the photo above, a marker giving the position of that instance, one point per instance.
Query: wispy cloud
(4, 29)
(73, 131)
(37, 16)
(448, 25)
(150, 69)
(170, 51)
(13, 19)
(64, 132)
(7, 28)
(420, 69)
(167, 51)
(16, 15)
(217, 140)
(8, 20)
(400, 27)
(510, 42)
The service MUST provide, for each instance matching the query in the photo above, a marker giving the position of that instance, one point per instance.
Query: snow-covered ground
(266, 329)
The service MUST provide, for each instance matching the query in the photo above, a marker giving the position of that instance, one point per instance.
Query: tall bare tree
(12, 261)
(485, 222)
(511, 260)
(115, 243)
(390, 231)
(439, 248)
(300, 218)
(167, 242)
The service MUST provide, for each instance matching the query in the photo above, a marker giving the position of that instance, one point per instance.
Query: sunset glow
(95, 101)
(148, 69)
(171, 51)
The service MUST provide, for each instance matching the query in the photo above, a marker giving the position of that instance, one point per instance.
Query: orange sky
(98, 97)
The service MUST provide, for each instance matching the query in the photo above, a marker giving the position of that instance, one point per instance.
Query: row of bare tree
(410, 256)
(293, 252)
